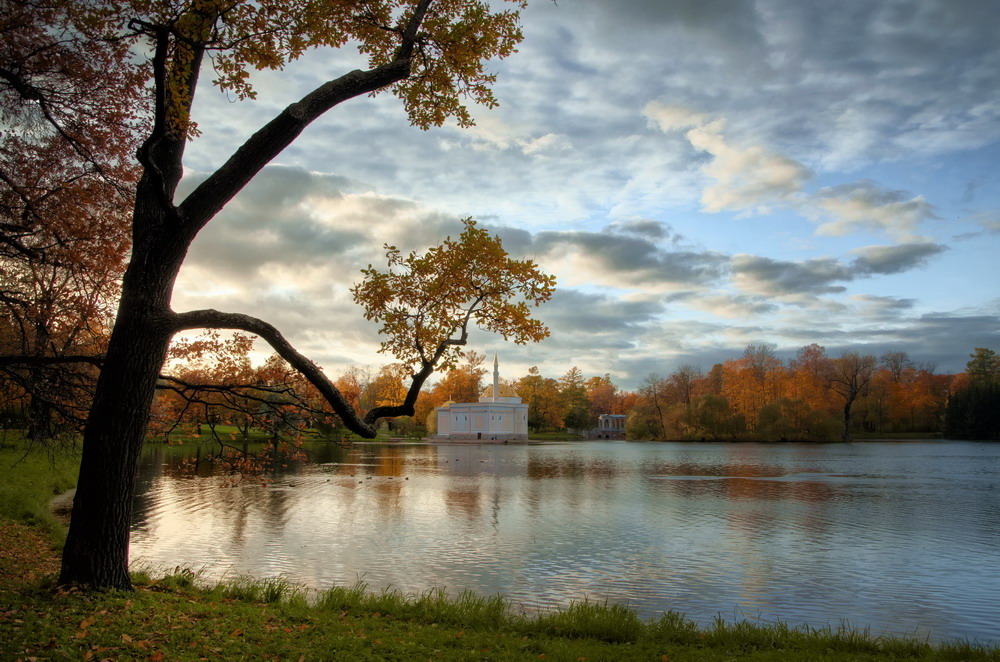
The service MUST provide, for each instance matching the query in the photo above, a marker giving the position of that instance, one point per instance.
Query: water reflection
(897, 536)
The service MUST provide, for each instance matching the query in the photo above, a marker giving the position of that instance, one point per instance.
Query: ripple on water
(798, 533)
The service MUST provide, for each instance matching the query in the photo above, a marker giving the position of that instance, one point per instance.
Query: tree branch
(214, 319)
(262, 147)
(21, 359)
(416, 383)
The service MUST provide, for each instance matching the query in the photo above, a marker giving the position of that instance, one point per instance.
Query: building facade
(498, 416)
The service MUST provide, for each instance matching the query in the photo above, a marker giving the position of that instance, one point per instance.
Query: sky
(699, 175)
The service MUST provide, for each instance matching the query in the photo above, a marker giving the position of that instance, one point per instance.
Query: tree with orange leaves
(431, 54)
(70, 105)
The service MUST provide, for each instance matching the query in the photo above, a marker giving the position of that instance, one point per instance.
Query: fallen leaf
(127, 639)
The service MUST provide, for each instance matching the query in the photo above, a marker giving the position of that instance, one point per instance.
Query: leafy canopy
(455, 40)
(426, 302)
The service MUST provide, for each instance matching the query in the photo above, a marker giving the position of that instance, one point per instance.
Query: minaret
(496, 377)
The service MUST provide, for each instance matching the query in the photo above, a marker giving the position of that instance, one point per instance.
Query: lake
(901, 537)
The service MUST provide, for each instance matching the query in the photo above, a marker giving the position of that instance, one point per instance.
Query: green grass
(30, 475)
(229, 434)
(172, 618)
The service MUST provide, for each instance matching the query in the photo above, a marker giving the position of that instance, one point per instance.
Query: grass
(30, 475)
(172, 618)
(177, 617)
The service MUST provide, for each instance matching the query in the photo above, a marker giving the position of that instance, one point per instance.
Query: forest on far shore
(212, 382)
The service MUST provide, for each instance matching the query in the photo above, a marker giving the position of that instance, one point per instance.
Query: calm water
(903, 537)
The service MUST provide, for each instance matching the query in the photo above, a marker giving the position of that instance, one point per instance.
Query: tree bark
(96, 551)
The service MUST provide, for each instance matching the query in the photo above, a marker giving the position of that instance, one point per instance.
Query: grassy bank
(172, 619)
(30, 475)
(175, 618)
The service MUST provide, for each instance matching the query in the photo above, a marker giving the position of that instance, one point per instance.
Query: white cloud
(672, 117)
(746, 178)
(864, 206)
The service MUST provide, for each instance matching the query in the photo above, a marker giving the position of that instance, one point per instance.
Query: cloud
(652, 230)
(746, 178)
(882, 309)
(894, 259)
(781, 278)
(754, 179)
(865, 206)
(672, 117)
(626, 260)
(733, 307)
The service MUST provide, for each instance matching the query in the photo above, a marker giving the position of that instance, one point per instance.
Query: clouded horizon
(698, 174)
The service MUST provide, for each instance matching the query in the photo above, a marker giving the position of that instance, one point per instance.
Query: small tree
(848, 376)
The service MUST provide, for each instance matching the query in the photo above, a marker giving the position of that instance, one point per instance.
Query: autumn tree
(807, 377)
(646, 419)
(573, 394)
(541, 394)
(602, 394)
(69, 107)
(685, 380)
(463, 382)
(429, 53)
(848, 376)
(753, 380)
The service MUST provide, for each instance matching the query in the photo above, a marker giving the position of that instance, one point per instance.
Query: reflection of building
(498, 416)
(609, 426)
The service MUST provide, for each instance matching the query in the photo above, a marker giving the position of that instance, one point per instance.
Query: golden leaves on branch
(447, 54)
(425, 302)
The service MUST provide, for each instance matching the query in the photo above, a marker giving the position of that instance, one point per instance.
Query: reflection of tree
(326, 453)
(464, 500)
(389, 495)
(390, 462)
(739, 481)
(571, 467)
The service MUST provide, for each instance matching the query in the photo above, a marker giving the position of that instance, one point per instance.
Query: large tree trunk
(39, 415)
(96, 551)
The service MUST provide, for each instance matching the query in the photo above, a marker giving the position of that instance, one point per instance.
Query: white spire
(496, 377)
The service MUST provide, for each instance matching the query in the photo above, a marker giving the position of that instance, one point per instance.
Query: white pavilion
(498, 416)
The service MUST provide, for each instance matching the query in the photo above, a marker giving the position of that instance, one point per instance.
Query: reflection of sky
(896, 536)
